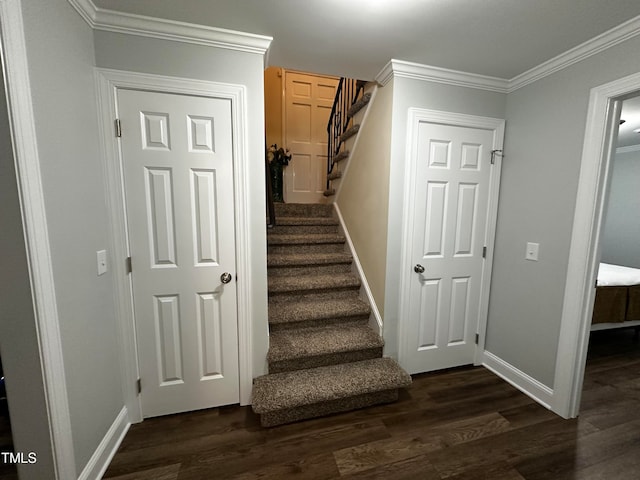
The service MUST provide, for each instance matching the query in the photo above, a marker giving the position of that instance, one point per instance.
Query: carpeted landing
(323, 357)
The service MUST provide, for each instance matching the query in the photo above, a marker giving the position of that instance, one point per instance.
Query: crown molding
(608, 39)
(119, 22)
(629, 149)
(400, 68)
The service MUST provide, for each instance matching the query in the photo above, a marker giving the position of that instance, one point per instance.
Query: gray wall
(409, 93)
(60, 54)
(18, 335)
(621, 235)
(148, 55)
(545, 124)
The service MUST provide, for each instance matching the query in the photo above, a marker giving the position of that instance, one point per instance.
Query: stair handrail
(347, 94)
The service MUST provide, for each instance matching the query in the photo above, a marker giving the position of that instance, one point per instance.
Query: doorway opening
(614, 350)
(297, 110)
(601, 132)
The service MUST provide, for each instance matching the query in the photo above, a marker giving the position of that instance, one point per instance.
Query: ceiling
(356, 38)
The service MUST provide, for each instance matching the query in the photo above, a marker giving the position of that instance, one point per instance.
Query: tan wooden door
(308, 102)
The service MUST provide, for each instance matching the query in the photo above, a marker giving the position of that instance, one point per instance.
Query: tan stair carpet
(323, 357)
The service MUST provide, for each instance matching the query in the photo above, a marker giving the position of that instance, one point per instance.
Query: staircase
(323, 357)
(343, 127)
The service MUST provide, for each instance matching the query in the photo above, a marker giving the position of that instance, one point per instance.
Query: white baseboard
(101, 458)
(523, 382)
(375, 321)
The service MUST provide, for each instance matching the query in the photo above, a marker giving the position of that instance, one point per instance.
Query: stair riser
(306, 248)
(290, 415)
(303, 210)
(324, 360)
(315, 295)
(309, 270)
(316, 323)
(302, 229)
(302, 292)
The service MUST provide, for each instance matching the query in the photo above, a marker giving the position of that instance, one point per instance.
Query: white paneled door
(452, 184)
(178, 173)
(308, 102)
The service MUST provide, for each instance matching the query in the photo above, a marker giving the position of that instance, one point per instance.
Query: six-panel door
(178, 172)
(450, 219)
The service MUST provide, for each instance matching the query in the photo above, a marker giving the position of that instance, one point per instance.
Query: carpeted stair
(323, 357)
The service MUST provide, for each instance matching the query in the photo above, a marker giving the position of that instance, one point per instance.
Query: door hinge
(139, 386)
(596, 285)
(477, 338)
(484, 252)
(128, 265)
(118, 127)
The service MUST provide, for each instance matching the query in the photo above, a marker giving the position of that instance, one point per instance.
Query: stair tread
(297, 259)
(304, 239)
(278, 391)
(311, 342)
(313, 282)
(317, 310)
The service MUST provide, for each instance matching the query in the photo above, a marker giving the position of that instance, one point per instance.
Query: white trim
(523, 382)
(601, 128)
(120, 22)
(32, 203)
(400, 68)
(629, 149)
(108, 83)
(415, 117)
(108, 447)
(375, 321)
(608, 39)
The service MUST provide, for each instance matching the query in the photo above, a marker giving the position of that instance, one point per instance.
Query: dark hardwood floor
(461, 424)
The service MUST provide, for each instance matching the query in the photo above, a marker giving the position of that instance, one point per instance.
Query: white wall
(409, 93)
(621, 236)
(18, 335)
(162, 57)
(363, 197)
(545, 124)
(60, 55)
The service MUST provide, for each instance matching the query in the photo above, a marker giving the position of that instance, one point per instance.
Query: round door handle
(225, 277)
(418, 268)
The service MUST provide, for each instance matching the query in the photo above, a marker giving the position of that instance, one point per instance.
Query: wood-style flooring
(460, 424)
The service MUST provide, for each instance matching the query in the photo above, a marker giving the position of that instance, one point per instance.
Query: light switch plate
(102, 262)
(532, 251)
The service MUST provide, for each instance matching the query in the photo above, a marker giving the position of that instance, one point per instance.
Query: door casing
(584, 253)
(417, 116)
(109, 81)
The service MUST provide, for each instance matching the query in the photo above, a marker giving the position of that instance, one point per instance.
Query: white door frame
(32, 203)
(109, 81)
(417, 116)
(584, 254)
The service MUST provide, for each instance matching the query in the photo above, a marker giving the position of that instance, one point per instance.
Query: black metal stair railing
(347, 94)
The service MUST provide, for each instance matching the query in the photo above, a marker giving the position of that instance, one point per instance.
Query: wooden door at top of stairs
(454, 175)
(178, 167)
(308, 102)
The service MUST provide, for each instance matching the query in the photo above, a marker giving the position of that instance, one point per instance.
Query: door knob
(418, 268)
(225, 277)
